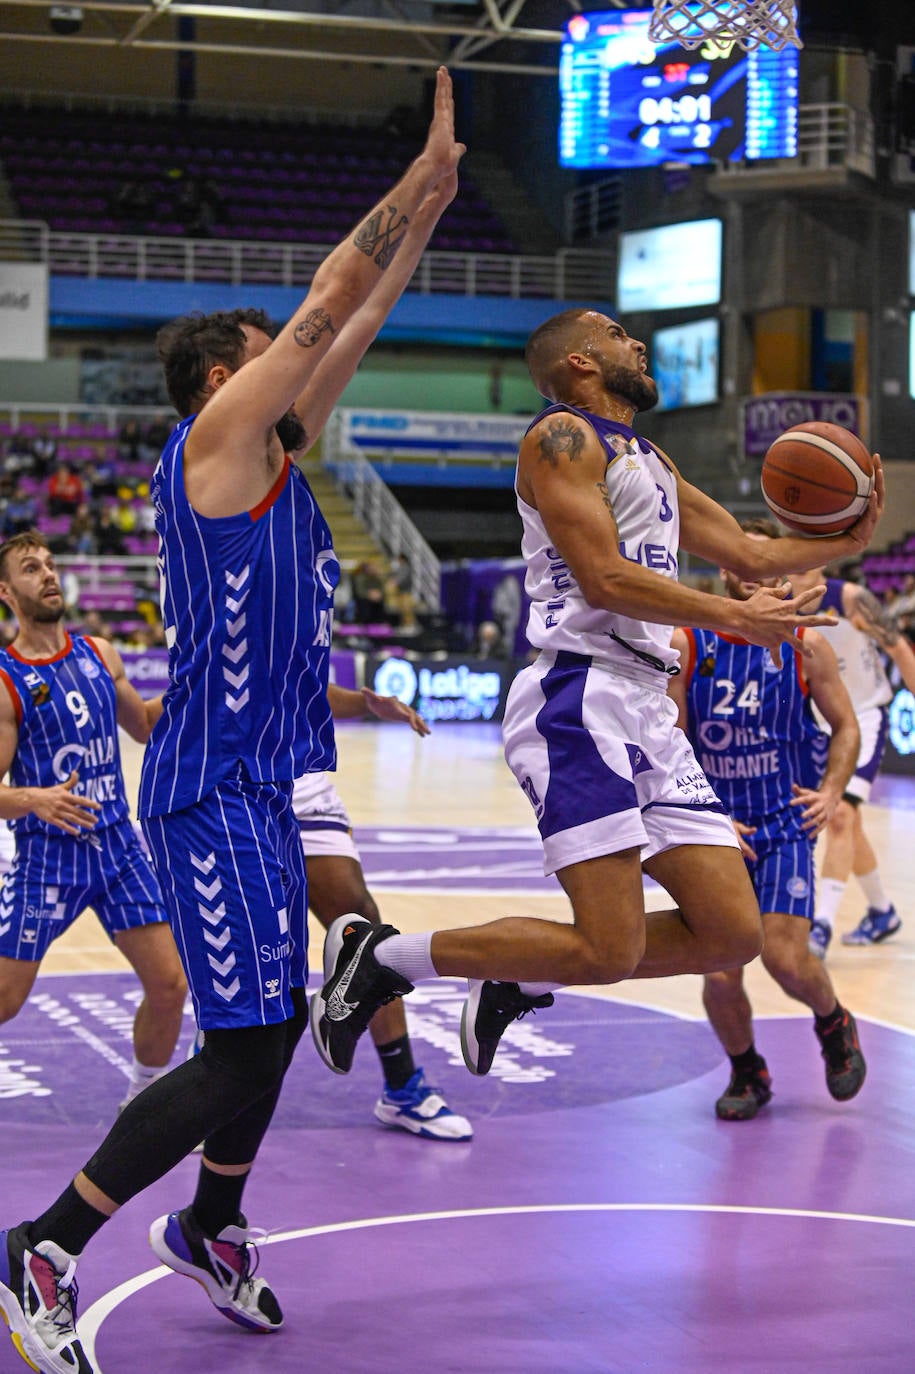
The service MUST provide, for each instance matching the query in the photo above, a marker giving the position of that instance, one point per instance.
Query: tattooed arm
(561, 473)
(339, 364)
(233, 455)
(870, 617)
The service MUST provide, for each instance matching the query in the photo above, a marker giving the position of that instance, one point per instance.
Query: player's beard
(42, 613)
(637, 388)
(292, 433)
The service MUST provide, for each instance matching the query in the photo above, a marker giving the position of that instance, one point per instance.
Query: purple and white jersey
(643, 492)
(247, 604)
(860, 661)
(66, 710)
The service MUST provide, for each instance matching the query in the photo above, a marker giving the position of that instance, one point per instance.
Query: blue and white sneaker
(819, 938)
(874, 927)
(38, 1303)
(223, 1265)
(421, 1109)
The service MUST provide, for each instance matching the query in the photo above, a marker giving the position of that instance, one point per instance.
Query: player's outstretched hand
(390, 708)
(818, 808)
(62, 807)
(862, 531)
(442, 150)
(773, 616)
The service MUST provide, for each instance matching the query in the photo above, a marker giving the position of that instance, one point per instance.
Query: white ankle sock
(829, 895)
(538, 989)
(872, 887)
(141, 1075)
(408, 955)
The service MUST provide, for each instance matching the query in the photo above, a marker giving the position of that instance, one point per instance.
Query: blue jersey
(66, 711)
(750, 723)
(247, 604)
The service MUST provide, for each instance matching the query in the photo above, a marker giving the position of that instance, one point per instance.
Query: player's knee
(251, 1058)
(611, 962)
(738, 942)
(721, 987)
(842, 820)
(168, 989)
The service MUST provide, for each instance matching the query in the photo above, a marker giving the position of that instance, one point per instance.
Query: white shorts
(874, 725)
(604, 764)
(324, 822)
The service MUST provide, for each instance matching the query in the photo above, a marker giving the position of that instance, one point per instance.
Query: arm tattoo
(605, 497)
(309, 330)
(876, 620)
(377, 240)
(562, 438)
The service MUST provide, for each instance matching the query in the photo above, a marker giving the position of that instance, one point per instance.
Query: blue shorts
(54, 879)
(233, 879)
(783, 878)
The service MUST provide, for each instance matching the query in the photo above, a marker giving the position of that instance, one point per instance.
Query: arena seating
(85, 172)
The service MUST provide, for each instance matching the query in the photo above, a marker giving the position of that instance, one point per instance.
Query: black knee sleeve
(203, 1096)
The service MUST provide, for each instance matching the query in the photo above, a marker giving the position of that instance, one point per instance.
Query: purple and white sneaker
(224, 1265)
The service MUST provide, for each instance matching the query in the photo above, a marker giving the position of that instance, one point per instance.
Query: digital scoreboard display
(626, 102)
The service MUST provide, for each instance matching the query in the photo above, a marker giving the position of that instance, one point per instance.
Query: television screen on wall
(684, 363)
(627, 102)
(672, 267)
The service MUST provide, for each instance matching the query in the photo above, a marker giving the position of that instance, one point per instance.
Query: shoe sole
(470, 1046)
(21, 1336)
(333, 943)
(872, 940)
(214, 1292)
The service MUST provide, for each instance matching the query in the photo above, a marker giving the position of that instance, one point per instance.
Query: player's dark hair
(760, 525)
(548, 345)
(27, 539)
(189, 346)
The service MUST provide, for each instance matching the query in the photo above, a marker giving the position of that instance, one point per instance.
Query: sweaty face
(34, 587)
(623, 364)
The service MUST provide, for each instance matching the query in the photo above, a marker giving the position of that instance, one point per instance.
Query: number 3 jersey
(751, 724)
(66, 711)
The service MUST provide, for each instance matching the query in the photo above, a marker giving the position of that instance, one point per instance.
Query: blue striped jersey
(66, 711)
(247, 605)
(643, 492)
(750, 724)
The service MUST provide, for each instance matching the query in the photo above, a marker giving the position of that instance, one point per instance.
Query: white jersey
(860, 662)
(643, 493)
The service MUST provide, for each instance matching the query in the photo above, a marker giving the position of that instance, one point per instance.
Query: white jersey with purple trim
(643, 493)
(860, 662)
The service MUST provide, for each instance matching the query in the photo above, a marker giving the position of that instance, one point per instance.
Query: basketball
(817, 477)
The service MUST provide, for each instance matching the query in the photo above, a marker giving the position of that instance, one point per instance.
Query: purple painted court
(600, 1220)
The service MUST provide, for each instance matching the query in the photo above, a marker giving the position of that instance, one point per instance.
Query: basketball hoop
(751, 24)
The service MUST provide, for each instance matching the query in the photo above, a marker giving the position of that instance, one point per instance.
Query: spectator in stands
(18, 459)
(368, 594)
(134, 206)
(94, 624)
(902, 603)
(102, 477)
(108, 538)
(157, 432)
(488, 641)
(124, 516)
(130, 437)
(44, 453)
(21, 512)
(81, 534)
(400, 601)
(65, 490)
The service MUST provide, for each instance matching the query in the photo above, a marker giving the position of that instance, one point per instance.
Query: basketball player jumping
(750, 724)
(62, 698)
(248, 573)
(589, 729)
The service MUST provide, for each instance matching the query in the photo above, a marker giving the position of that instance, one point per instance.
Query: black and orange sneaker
(841, 1050)
(747, 1091)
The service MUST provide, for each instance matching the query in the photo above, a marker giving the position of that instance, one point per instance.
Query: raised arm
(709, 531)
(230, 436)
(337, 367)
(561, 472)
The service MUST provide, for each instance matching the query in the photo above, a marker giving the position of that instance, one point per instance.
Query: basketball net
(750, 24)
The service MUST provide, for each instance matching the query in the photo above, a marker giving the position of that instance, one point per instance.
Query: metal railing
(390, 526)
(570, 274)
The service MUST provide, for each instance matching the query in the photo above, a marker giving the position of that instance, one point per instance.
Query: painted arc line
(91, 1321)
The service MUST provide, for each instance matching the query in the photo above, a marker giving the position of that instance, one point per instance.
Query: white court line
(91, 1321)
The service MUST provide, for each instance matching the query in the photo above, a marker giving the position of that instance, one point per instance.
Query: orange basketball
(817, 478)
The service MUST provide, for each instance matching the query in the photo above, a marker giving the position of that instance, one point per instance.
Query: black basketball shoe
(489, 1009)
(355, 986)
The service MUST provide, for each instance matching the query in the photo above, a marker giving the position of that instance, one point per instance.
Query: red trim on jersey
(38, 662)
(14, 695)
(262, 507)
(799, 659)
(95, 649)
(690, 656)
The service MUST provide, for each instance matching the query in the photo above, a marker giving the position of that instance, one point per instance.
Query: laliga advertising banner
(24, 311)
(447, 689)
(765, 417)
(429, 434)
